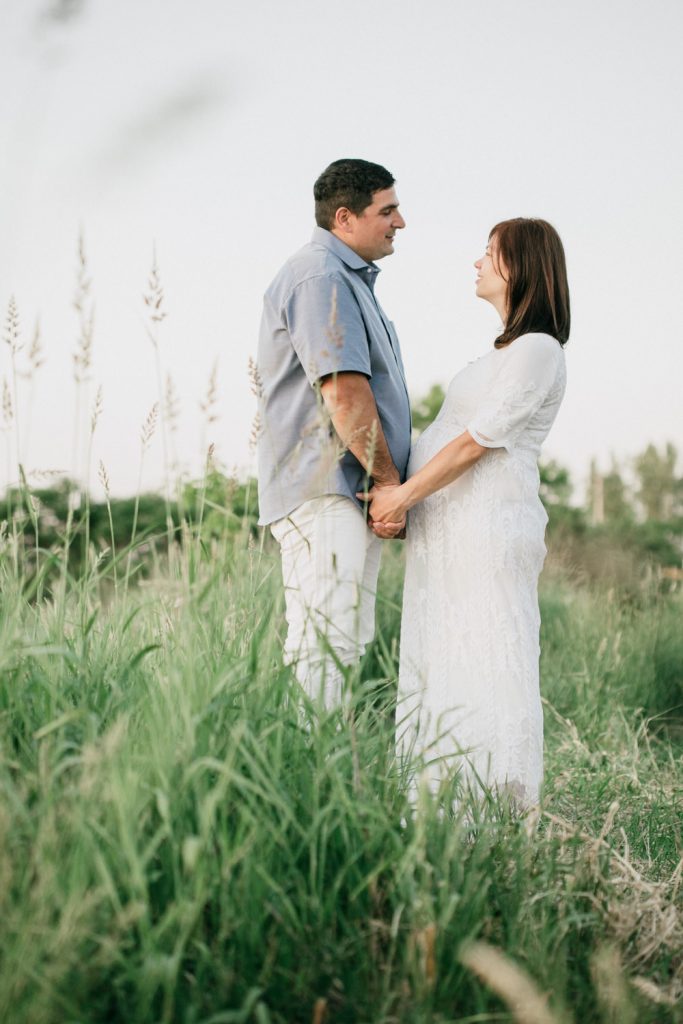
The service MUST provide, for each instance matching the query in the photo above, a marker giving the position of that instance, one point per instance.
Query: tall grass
(182, 839)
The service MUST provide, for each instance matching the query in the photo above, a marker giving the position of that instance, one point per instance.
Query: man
(335, 418)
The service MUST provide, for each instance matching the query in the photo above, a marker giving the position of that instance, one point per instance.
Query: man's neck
(340, 236)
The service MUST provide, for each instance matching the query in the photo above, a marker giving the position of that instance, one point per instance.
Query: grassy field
(178, 844)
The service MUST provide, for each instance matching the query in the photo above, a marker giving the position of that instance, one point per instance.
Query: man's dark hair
(348, 183)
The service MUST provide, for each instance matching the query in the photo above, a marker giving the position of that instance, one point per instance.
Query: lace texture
(469, 681)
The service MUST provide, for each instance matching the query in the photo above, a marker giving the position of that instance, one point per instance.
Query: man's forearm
(353, 411)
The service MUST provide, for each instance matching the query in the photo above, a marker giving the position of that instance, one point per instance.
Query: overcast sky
(200, 126)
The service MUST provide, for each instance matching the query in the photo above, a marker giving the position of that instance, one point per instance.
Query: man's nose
(399, 221)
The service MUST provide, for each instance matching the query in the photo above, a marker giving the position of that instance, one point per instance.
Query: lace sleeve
(528, 371)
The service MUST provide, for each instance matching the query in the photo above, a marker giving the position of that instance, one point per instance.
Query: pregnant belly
(431, 441)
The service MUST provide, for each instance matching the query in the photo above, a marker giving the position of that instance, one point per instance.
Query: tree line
(634, 512)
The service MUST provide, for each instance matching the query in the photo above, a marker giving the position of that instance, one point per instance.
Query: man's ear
(343, 219)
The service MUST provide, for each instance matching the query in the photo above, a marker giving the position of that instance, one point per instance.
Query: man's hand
(388, 531)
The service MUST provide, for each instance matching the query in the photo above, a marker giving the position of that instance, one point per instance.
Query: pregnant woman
(469, 682)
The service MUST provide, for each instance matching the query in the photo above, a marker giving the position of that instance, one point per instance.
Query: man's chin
(387, 250)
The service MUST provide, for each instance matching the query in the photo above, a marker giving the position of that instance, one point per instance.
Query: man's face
(371, 233)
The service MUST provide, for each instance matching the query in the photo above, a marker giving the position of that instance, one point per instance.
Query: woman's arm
(390, 504)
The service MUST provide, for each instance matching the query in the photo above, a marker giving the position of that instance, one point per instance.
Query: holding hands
(386, 510)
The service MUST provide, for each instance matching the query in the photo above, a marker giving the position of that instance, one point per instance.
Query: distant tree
(556, 486)
(616, 499)
(660, 491)
(556, 492)
(222, 503)
(426, 409)
(595, 498)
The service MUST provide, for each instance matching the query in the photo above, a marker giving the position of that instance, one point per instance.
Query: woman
(468, 685)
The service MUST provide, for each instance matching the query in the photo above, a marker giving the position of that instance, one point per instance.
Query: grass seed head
(208, 405)
(96, 410)
(35, 350)
(611, 987)
(154, 297)
(510, 982)
(103, 477)
(255, 378)
(255, 433)
(171, 404)
(12, 331)
(149, 426)
(82, 357)
(7, 408)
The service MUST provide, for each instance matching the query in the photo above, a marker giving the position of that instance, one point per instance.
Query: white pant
(330, 563)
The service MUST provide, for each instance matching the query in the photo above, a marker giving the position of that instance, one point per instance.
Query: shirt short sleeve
(527, 374)
(326, 327)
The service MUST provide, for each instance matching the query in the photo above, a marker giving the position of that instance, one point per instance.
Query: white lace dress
(469, 683)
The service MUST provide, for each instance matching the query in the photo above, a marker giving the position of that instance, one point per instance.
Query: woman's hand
(388, 508)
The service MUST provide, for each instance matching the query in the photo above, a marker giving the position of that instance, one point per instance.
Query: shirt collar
(344, 252)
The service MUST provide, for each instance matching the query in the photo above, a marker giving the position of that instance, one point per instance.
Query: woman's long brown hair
(537, 287)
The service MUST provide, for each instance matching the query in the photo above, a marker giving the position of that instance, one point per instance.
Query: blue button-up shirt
(320, 316)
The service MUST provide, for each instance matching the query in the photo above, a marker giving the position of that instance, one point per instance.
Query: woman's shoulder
(537, 344)
(538, 338)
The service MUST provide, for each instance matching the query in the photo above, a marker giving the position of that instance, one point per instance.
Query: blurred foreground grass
(177, 844)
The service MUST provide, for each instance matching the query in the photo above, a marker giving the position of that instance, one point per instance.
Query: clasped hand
(386, 511)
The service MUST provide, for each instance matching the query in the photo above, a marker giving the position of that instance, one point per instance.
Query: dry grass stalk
(103, 477)
(35, 353)
(82, 303)
(11, 331)
(149, 426)
(510, 982)
(255, 433)
(7, 408)
(11, 337)
(96, 410)
(425, 940)
(154, 297)
(611, 987)
(319, 1011)
(208, 405)
(657, 995)
(643, 916)
(171, 404)
(41, 474)
(371, 447)
(35, 361)
(256, 385)
(255, 378)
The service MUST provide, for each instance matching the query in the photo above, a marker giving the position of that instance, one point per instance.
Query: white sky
(200, 126)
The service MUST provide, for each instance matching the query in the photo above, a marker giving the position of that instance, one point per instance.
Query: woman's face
(492, 277)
